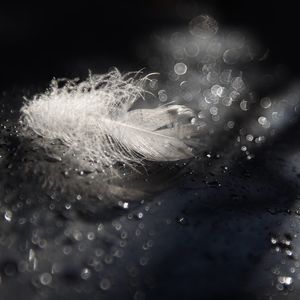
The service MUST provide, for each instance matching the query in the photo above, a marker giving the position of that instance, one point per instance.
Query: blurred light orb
(238, 84)
(230, 124)
(105, 284)
(212, 76)
(201, 115)
(263, 121)
(216, 90)
(213, 110)
(265, 102)
(249, 137)
(209, 97)
(236, 40)
(162, 96)
(191, 49)
(234, 95)
(244, 105)
(227, 101)
(275, 116)
(45, 278)
(180, 68)
(203, 26)
(231, 56)
(226, 76)
(187, 96)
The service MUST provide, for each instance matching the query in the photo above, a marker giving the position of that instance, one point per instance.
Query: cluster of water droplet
(207, 69)
(51, 247)
(48, 243)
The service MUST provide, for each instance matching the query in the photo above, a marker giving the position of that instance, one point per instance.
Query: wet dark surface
(228, 227)
(224, 225)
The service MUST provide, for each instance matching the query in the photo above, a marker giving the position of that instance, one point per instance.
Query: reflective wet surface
(223, 225)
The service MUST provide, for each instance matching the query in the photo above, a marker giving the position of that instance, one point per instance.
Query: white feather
(95, 119)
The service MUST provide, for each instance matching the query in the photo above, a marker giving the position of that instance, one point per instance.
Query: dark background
(40, 40)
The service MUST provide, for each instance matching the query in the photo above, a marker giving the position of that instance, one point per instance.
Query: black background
(40, 40)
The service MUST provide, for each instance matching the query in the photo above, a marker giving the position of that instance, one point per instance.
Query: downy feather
(95, 119)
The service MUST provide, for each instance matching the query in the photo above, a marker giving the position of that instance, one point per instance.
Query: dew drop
(230, 124)
(203, 26)
(244, 105)
(285, 280)
(227, 101)
(265, 102)
(249, 137)
(213, 110)
(45, 278)
(193, 121)
(85, 274)
(238, 84)
(8, 215)
(105, 284)
(180, 68)
(162, 96)
(231, 56)
(263, 121)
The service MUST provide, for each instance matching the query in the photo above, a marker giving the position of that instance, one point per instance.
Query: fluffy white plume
(96, 120)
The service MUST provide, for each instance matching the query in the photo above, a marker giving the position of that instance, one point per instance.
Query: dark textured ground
(228, 227)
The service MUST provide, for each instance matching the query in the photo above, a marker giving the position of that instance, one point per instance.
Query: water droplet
(45, 278)
(230, 124)
(201, 115)
(265, 102)
(191, 49)
(203, 26)
(212, 76)
(234, 95)
(143, 261)
(10, 269)
(105, 284)
(209, 97)
(182, 220)
(85, 274)
(193, 121)
(286, 280)
(231, 56)
(8, 216)
(238, 84)
(227, 101)
(249, 137)
(91, 236)
(226, 76)
(100, 227)
(140, 215)
(213, 110)
(263, 121)
(279, 287)
(260, 139)
(275, 116)
(162, 96)
(180, 68)
(244, 105)
(218, 90)
(68, 205)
